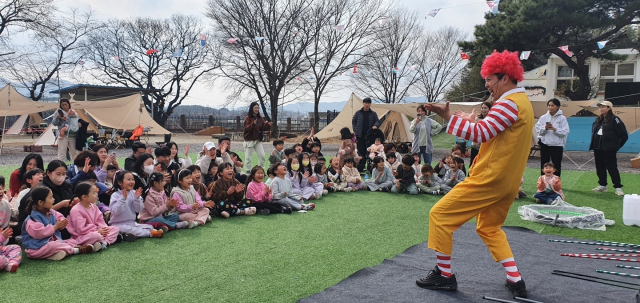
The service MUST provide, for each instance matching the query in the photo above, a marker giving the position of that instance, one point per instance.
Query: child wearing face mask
(64, 199)
(300, 180)
(308, 162)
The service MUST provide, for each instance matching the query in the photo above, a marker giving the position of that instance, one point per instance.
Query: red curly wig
(506, 63)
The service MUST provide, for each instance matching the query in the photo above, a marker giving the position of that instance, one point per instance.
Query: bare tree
(23, 14)
(440, 64)
(265, 44)
(337, 47)
(157, 54)
(387, 71)
(57, 48)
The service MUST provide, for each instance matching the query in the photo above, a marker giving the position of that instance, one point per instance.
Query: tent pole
(4, 124)
(85, 94)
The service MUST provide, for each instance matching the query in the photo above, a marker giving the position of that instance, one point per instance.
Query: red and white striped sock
(444, 264)
(513, 275)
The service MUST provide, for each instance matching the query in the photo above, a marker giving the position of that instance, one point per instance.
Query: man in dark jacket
(364, 120)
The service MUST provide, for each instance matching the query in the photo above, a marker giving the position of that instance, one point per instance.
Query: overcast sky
(463, 14)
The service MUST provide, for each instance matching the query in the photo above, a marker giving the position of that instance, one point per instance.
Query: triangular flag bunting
(525, 55)
(464, 56)
(116, 58)
(232, 40)
(177, 53)
(490, 4)
(601, 44)
(80, 62)
(151, 51)
(565, 49)
(355, 69)
(395, 70)
(339, 28)
(494, 8)
(258, 39)
(433, 12)
(203, 40)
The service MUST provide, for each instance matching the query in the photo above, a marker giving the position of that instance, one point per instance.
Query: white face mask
(58, 180)
(313, 164)
(148, 169)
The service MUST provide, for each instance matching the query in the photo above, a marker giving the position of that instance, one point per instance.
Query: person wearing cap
(254, 125)
(208, 153)
(552, 129)
(364, 120)
(608, 135)
(490, 189)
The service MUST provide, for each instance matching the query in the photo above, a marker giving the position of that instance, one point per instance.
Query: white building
(543, 82)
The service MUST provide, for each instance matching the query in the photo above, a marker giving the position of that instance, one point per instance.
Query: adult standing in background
(362, 121)
(608, 135)
(552, 129)
(254, 125)
(475, 146)
(423, 128)
(67, 122)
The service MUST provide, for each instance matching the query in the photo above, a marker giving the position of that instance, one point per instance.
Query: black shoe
(434, 280)
(129, 237)
(384, 189)
(264, 211)
(287, 210)
(518, 289)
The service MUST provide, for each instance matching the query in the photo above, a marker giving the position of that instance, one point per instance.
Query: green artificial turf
(276, 258)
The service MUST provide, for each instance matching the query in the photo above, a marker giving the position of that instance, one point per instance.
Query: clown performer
(490, 189)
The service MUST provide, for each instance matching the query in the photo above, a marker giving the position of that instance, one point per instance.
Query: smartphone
(548, 123)
(60, 111)
(419, 115)
(114, 154)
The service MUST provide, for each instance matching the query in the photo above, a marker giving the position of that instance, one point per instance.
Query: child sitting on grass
(428, 182)
(300, 181)
(125, 203)
(406, 179)
(10, 255)
(381, 176)
(352, 175)
(336, 177)
(157, 206)
(196, 182)
(228, 194)
(282, 190)
(443, 166)
(376, 149)
(86, 224)
(41, 238)
(190, 205)
(549, 185)
(453, 176)
(260, 194)
(417, 168)
(277, 155)
(321, 173)
(392, 163)
(307, 167)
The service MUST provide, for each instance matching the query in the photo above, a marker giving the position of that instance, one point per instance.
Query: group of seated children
(93, 203)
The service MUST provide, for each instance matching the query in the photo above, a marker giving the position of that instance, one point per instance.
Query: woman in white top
(423, 128)
(183, 162)
(552, 129)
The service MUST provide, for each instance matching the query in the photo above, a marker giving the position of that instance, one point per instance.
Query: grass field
(276, 258)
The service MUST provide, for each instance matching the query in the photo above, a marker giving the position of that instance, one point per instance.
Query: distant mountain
(304, 107)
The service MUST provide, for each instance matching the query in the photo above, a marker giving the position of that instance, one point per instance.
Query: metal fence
(196, 122)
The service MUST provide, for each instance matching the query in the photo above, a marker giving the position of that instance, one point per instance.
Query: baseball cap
(209, 145)
(605, 103)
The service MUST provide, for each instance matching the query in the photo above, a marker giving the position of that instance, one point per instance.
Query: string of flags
(203, 40)
(524, 55)
(493, 6)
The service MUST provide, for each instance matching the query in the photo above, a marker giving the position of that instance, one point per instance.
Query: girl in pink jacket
(260, 194)
(86, 223)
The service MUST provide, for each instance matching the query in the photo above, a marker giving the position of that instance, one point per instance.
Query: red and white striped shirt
(502, 115)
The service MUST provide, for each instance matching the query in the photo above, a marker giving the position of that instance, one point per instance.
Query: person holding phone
(552, 129)
(67, 122)
(423, 128)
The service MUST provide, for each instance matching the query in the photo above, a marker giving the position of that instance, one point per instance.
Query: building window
(618, 72)
(566, 78)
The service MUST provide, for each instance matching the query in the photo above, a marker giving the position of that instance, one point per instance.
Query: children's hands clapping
(171, 203)
(195, 206)
(306, 175)
(7, 232)
(62, 224)
(138, 192)
(231, 190)
(209, 204)
(75, 201)
(239, 188)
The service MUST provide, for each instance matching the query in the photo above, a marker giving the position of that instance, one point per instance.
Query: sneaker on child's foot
(58, 256)
(435, 280)
(619, 192)
(129, 237)
(287, 210)
(518, 289)
(385, 189)
(264, 211)
(12, 267)
(325, 192)
(348, 190)
(156, 233)
(600, 189)
(192, 224)
(224, 214)
(309, 206)
(164, 229)
(435, 192)
(85, 249)
(97, 246)
(209, 219)
(182, 224)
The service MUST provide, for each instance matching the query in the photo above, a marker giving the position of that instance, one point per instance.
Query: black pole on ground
(498, 300)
